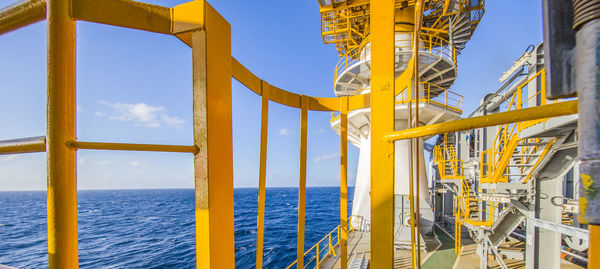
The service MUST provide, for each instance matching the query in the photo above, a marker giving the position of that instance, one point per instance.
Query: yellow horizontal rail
(132, 147)
(533, 113)
(23, 145)
(124, 13)
(21, 14)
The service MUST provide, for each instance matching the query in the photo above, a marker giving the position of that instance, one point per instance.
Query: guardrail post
(302, 180)
(262, 174)
(213, 164)
(61, 160)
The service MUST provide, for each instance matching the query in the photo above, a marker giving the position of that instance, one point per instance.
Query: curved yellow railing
(432, 44)
(428, 93)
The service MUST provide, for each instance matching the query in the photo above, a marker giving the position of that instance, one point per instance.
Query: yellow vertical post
(302, 180)
(62, 168)
(343, 231)
(382, 122)
(262, 174)
(594, 250)
(213, 164)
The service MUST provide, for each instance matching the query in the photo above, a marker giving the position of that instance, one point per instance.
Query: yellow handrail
(331, 243)
(433, 44)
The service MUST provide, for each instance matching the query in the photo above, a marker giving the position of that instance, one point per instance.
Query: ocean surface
(155, 228)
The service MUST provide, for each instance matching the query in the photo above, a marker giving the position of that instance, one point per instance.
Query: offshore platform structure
(499, 170)
(513, 183)
(445, 29)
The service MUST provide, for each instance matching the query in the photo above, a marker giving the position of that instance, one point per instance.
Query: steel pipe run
(21, 14)
(414, 148)
(526, 114)
(132, 147)
(587, 80)
(23, 145)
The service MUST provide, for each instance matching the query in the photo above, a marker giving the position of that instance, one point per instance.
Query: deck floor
(439, 255)
(359, 243)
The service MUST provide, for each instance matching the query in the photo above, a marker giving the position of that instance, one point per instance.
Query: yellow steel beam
(131, 147)
(213, 165)
(302, 181)
(343, 182)
(533, 113)
(594, 250)
(61, 160)
(24, 145)
(382, 123)
(244, 76)
(201, 141)
(124, 13)
(21, 14)
(262, 175)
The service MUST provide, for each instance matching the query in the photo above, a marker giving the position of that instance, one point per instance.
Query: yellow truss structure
(345, 23)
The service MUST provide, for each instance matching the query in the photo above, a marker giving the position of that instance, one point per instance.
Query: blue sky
(136, 87)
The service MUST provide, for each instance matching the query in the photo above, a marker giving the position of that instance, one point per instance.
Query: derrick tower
(447, 26)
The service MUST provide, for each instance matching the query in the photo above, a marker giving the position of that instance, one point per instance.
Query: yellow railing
(434, 94)
(445, 158)
(428, 93)
(325, 247)
(494, 160)
(468, 211)
(432, 44)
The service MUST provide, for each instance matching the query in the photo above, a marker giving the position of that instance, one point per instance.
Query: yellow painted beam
(131, 147)
(213, 165)
(302, 181)
(24, 145)
(382, 123)
(262, 174)
(201, 142)
(287, 98)
(533, 113)
(124, 13)
(61, 160)
(343, 183)
(21, 14)
(594, 250)
(187, 17)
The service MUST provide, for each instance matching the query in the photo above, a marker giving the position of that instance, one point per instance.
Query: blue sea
(155, 228)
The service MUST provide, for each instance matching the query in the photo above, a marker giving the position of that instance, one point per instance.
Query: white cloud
(99, 114)
(325, 157)
(172, 121)
(9, 157)
(285, 131)
(135, 163)
(319, 131)
(79, 108)
(105, 162)
(141, 114)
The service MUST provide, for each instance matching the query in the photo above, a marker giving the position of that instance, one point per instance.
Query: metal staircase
(361, 262)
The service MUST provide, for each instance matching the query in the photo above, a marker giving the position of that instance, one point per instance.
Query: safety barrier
(507, 144)
(429, 93)
(208, 34)
(433, 45)
(325, 247)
